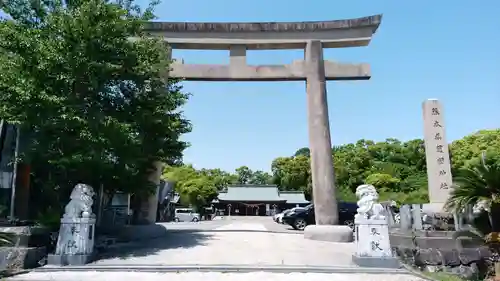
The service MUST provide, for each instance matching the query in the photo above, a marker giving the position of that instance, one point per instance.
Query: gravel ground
(208, 276)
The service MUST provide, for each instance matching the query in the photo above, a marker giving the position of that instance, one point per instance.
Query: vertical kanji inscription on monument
(436, 152)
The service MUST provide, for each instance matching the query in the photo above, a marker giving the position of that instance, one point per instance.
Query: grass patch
(443, 276)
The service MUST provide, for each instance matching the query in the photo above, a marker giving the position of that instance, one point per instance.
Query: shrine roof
(294, 197)
(259, 193)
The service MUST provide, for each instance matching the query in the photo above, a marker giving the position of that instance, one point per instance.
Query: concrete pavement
(266, 222)
(257, 244)
(237, 242)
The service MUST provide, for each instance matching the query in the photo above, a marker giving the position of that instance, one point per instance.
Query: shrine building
(257, 200)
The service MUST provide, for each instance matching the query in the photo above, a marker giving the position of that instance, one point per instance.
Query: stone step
(223, 268)
(209, 276)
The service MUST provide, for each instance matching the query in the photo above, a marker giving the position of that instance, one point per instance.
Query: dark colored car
(301, 218)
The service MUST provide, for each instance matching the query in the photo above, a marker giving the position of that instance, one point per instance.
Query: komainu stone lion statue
(80, 204)
(369, 208)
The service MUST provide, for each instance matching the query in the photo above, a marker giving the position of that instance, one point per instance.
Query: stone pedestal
(329, 233)
(75, 244)
(432, 208)
(373, 248)
(27, 247)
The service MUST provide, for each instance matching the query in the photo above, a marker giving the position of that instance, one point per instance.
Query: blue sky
(423, 49)
(449, 50)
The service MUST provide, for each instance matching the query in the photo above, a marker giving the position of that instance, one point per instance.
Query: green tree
(198, 192)
(352, 163)
(397, 168)
(303, 152)
(478, 182)
(384, 182)
(244, 174)
(196, 187)
(98, 106)
(180, 174)
(292, 173)
(221, 179)
(261, 177)
(472, 146)
(414, 154)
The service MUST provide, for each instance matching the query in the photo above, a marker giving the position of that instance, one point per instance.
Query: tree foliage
(197, 187)
(397, 169)
(478, 181)
(200, 187)
(394, 167)
(472, 146)
(97, 106)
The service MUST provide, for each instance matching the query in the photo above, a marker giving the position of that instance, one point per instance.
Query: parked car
(278, 218)
(186, 214)
(300, 218)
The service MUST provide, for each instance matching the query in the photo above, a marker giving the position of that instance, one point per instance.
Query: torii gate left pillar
(314, 70)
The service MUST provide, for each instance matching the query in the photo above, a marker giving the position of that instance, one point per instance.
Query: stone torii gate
(310, 36)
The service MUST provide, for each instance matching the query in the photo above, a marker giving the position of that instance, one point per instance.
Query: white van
(186, 214)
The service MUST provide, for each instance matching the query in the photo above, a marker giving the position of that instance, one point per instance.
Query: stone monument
(437, 156)
(372, 232)
(75, 244)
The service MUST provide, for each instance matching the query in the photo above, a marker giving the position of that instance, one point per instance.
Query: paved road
(239, 241)
(267, 222)
(232, 242)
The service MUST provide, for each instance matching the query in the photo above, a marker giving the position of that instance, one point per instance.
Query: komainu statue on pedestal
(75, 243)
(373, 247)
(369, 208)
(80, 204)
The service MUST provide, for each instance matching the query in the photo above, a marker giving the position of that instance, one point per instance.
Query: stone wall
(439, 243)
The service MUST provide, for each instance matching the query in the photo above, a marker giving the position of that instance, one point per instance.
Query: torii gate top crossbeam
(266, 35)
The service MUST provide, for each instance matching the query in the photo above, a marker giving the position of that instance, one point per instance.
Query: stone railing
(415, 217)
(437, 241)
